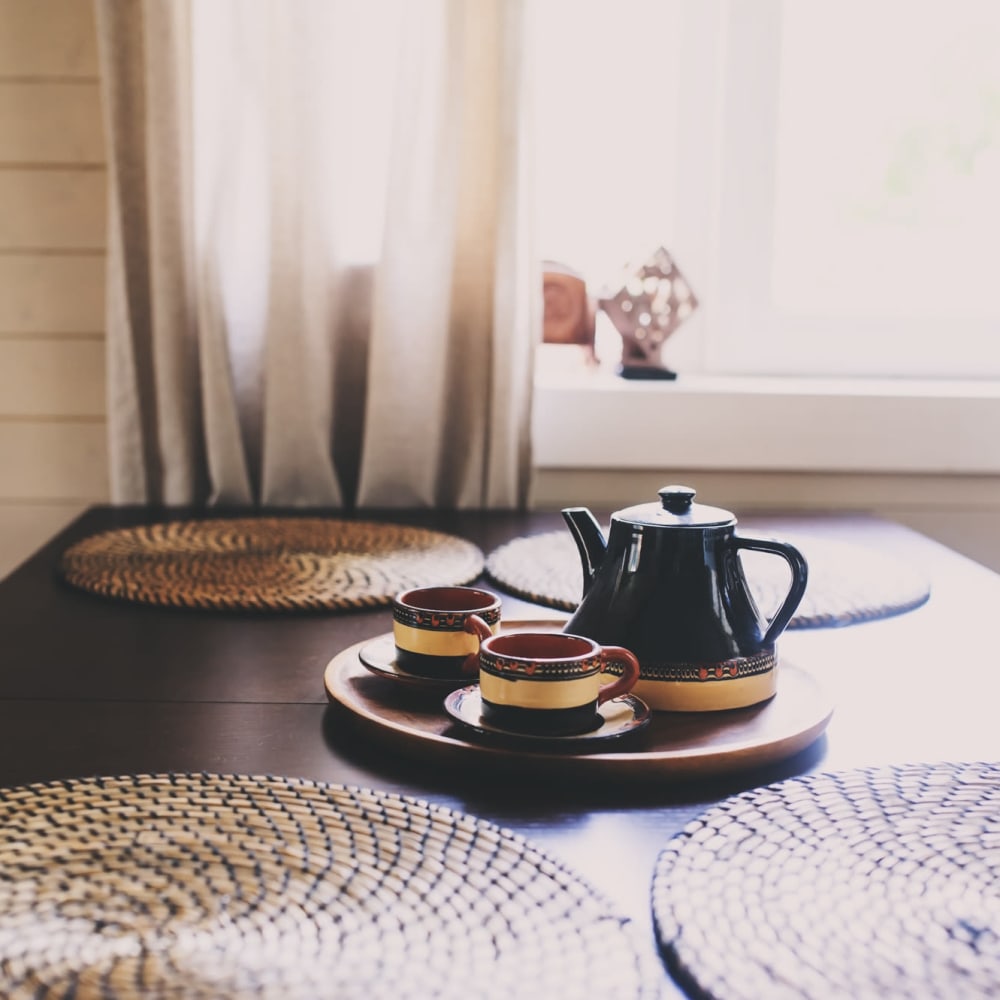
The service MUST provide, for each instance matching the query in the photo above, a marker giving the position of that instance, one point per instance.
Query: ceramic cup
(437, 630)
(549, 682)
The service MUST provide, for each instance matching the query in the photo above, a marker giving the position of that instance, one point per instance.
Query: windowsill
(588, 418)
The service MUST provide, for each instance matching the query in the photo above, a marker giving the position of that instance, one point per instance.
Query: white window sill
(588, 418)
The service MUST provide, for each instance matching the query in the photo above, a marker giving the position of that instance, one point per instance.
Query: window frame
(726, 410)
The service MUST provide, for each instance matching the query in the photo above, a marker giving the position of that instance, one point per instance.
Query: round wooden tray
(676, 745)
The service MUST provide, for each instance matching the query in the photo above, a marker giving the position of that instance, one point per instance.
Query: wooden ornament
(569, 309)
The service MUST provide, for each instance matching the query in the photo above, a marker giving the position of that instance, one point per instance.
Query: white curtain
(258, 352)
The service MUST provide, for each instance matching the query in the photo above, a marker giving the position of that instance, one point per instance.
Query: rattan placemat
(847, 583)
(880, 882)
(268, 563)
(201, 885)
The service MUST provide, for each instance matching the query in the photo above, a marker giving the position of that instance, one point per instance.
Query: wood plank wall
(53, 459)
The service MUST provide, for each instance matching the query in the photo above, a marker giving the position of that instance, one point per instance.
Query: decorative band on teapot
(728, 670)
(696, 673)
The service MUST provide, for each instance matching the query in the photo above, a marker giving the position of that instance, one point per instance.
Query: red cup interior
(447, 599)
(541, 646)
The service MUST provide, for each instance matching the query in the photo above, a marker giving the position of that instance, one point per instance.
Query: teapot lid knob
(677, 499)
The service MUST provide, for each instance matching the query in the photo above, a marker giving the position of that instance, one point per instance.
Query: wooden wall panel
(42, 377)
(52, 294)
(53, 460)
(60, 209)
(54, 38)
(53, 455)
(23, 527)
(46, 122)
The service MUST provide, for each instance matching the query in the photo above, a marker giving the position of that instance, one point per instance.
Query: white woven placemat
(874, 883)
(848, 583)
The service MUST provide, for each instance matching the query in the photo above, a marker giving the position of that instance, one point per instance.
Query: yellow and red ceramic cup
(549, 683)
(437, 630)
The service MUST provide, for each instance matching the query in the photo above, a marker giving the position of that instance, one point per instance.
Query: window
(826, 175)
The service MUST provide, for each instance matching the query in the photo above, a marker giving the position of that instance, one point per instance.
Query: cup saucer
(379, 657)
(620, 717)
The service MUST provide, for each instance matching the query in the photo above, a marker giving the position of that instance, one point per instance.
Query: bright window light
(606, 136)
(827, 175)
(887, 200)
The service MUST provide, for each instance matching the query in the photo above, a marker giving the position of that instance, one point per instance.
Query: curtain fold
(254, 356)
(152, 368)
(454, 245)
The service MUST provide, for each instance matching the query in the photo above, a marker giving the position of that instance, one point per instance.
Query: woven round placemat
(200, 885)
(880, 882)
(847, 583)
(268, 563)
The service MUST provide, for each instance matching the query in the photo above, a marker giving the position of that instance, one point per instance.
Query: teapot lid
(677, 509)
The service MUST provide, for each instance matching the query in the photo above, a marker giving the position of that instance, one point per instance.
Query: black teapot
(668, 584)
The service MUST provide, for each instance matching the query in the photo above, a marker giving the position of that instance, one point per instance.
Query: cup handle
(476, 626)
(623, 684)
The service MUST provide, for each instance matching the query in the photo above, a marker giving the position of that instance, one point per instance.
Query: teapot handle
(800, 575)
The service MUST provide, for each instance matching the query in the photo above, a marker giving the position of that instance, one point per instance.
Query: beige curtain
(254, 356)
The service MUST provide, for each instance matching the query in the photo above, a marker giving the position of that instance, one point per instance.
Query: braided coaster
(198, 885)
(880, 882)
(847, 583)
(268, 563)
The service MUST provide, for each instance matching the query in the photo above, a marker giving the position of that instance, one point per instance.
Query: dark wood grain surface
(90, 686)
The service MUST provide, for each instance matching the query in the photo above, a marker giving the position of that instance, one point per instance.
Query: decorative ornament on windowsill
(653, 301)
(569, 310)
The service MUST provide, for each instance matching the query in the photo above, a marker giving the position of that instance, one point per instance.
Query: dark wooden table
(90, 686)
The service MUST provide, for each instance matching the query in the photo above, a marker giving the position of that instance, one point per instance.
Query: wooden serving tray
(676, 745)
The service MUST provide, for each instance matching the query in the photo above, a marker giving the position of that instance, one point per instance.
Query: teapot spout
(589, 540)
